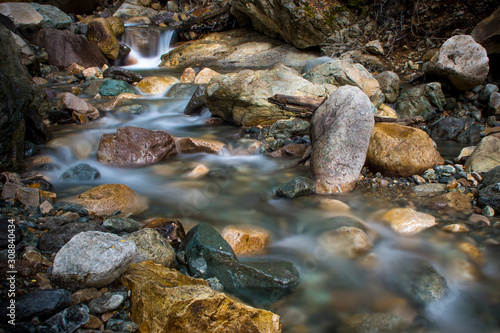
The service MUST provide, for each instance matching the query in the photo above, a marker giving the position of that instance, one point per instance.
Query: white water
(146, 61)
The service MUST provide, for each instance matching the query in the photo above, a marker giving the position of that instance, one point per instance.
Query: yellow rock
(334, 205)
(164, 300)
(456, 227)
(386, 111)
(205, 75)
(156, 84)
(245, 239)
(188, 75)
(347, 242)
(408, 221)
(101, 34)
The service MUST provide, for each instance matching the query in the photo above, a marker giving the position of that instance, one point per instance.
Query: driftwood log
(305, 107)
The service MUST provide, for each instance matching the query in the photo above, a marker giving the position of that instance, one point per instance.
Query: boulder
(81, 172)
(77, 49)
(112, 87)
(242, 98)
(117, 25)
(246, 239)
(462, 61)
(135, 146)
(164, 299)
(194, 146)
(389, 85)
(494, 104)
(107, 302)
(108, 198)
(341, 72)
(374, 47)
(208, 255)
(424, 100)
(234, 50)
(197, 101)
(156, 84)
(486, 156)
(19, 98)
(487, 32)
(53, 17)
(23, 15)
(338, 152)
(471, 135)
(315, 62)
(28, 57)
(401, 151)
(101, 34)
(345, 242)
(81, 110)
(132, 8)
(152, 246)
(93, 259)
(407, 221)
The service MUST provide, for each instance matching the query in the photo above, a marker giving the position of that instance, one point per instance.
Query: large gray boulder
(462, 61)
(341, 72)
(93, 259)
(242, 98)
(340, 130)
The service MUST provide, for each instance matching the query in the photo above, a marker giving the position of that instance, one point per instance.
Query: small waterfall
(147, 45)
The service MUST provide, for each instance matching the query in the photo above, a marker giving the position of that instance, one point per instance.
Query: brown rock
(84, 295)
(455, 228)
(408, 221)
(116, 25)
(188, 75)
(101, 34)
(74, 68)
(28, 196)
(94, 323)
(472, 251)
(65, 48)
(165, 300)
(294, 150)
(91, 71)
(172, 230)
(9, 190)
(245, 239)
(135, 146)
(107, 199)
(198, 172)
(193, 146)
(40, 80)
(347, 242)
(81, 110)
(401, 151)
(334, 205)
(156, 84)
(455, 200)
(205, 75)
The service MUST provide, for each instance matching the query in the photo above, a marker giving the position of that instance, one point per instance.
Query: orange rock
(246, 239)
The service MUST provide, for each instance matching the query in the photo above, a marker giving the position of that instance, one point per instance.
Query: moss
(308, 10)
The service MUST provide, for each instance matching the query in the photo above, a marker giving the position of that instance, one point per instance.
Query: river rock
(299, 186)
(372, 322)
(118, 73)
(315, 62)
(107, 302)
(236, 49)
(19, 100)
(156, 84)
(151, 245)
(117, 26)
(84, 295)
(389, 85)
(135, 146)
(188, 75)
(447, 128)
(77, 49)
(486, 156)
(454, 200)
(53, 17)
(374, 47)
(208, 255)
(204, 76)
(193, 146)
(424, 100)
(121, 224)
(101, 34)
(197, 101)
(490, 196)
(81, 110)
(42, 303)
(112, 87)
(171, 230)
(134, 8)
(81, 172)
(386, 111)
(24, 16)
(54, 239)
(346, 242)
(338, 152)
(68, 320)
(341, 72)
(407, 221)
(462, 61)
(491, 177)
(401, 151)
(108, 198)
(117, 325)
(487, 32)
(28, 57)
(471, 135)
(93, 259)
(289, 128)
(246, 239)
(242, 98)
(164, 299)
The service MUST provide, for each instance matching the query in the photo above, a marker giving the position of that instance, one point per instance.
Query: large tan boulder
(156, 84)
(242, 98)
(401, 151)
(108, 198)
(164, 300)
(486, 156)
(101, 34)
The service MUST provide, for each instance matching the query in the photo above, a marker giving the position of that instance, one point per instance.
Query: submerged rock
(347, 242)
(208, 255)
(81, 172)
(164, 299)
(401, 151)
(407, 221)
(299, 186)
(93, 259)
(338, 152)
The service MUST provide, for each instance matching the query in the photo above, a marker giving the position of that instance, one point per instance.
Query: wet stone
(71, 207)
(68, 320)
(296, 187)
(117, 225)
(81, 172)
(121, 326)
(171, 230)
(107, 302)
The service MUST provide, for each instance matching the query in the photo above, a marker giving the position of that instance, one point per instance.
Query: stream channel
(240, 190)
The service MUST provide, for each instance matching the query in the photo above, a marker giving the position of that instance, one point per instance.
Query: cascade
(147, 45)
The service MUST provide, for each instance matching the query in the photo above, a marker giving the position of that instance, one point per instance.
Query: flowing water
(239, 190)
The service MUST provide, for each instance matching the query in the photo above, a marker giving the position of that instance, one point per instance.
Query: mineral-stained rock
(408, 221)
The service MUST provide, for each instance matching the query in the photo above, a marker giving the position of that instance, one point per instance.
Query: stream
(240, 190)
